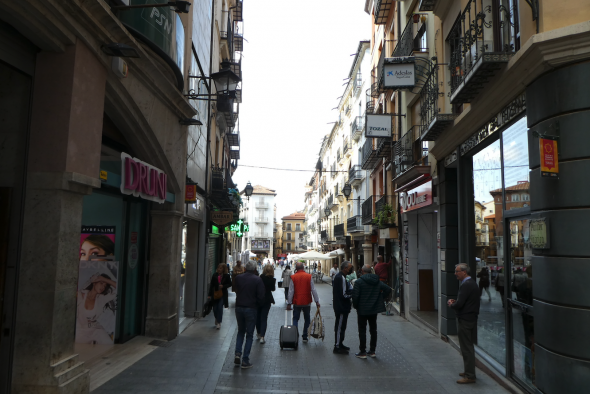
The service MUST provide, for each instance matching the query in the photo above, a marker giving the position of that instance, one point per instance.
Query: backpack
(316, 327)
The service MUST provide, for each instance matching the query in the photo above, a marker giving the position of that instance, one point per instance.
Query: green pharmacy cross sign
(240, 228)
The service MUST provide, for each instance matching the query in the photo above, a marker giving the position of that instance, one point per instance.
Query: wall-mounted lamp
(190, 122)
(248, 190)
(119, 50)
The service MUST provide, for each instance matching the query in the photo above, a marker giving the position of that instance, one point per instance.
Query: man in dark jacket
(341, 293)
(250, 293)
(367, 299)
(467, 309)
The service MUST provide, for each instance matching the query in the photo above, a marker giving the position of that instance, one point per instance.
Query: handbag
(280, 284)
(217, 294)
(316, 327)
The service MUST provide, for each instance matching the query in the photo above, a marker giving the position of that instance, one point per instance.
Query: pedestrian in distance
(500, 285)
(382, 269)
(484, 282)
(467, 310)
(220, 283)
(334, 271)
(238, 270)
(341, 296)
(268, 278)
(287, 281)
(301, 289)
(367, 298)
(250, 293)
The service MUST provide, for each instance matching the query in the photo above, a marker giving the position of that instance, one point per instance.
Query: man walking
(341, 293)
(250, 293)
(367, 299)
(467, 309)
(301, 289)
(334, 271)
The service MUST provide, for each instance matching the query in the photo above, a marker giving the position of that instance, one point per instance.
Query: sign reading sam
(142, 179)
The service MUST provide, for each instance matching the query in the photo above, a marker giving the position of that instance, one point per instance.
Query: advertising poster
(97, 286)
(266, 244)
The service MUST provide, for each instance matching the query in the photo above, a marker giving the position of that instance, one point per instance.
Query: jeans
(246, 318)
(261, 320)
(362, 324)
(467, 332)
(296, 313)
(218, 310)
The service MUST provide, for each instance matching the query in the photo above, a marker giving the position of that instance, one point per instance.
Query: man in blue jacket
(341, 293)
(367, 298)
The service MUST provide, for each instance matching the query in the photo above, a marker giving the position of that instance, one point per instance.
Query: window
(516, 197)
(288, 246)
(298, 227)
(288, 236)
(289, 226)
(525, 197)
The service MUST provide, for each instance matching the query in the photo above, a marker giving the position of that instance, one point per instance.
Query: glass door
(520, 303)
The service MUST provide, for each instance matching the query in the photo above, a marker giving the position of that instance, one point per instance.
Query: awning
(416, 182)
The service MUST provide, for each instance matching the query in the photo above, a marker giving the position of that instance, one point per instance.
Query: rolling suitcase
(289, 335)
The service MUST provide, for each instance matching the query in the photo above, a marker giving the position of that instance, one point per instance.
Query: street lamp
(346, 190)
(225, 80)
(248, 190)
(327, 211)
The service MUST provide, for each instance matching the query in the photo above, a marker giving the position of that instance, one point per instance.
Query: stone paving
(200, 360)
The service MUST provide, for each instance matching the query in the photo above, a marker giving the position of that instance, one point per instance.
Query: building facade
(293, 226)
(258, 214)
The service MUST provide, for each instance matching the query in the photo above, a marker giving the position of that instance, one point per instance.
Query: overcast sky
(295, 62)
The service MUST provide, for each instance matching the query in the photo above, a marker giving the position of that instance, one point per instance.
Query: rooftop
(294, 216)
(517, 187)
(258, 189)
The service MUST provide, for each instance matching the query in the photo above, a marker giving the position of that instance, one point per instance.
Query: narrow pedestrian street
(200, 360)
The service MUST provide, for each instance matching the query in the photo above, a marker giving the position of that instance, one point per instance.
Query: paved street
(200, 360)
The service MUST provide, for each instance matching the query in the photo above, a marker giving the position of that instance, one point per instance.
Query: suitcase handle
(286, 315)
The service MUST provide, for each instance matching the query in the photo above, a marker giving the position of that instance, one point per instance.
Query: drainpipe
(399, 217)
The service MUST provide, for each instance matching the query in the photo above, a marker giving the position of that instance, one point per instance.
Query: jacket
(368, 294)
(236, 271)
(269, 287)
(301, 289)
(249, 290)
(382, 269)
(484, 278)
(214, 285)
(467, 305)
(341, 294)
(287, 278)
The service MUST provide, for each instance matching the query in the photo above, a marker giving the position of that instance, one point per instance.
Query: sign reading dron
(143, 180)
(378, 126)
(399, 72)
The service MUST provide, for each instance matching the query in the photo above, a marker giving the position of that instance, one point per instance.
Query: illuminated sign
(239, 228)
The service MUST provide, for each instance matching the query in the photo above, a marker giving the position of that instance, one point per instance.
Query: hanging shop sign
(539, 233)
(141, 179)
(416, 198)
(195, 209)
(190, 193)
(378, 126)
(549, 159)
(388, 233)
(239, 228)
(399, 72)
(222, 217)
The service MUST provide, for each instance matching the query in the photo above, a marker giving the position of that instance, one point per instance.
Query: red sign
(190, 193)
(416, 198)
(548, 155)
(134, 237)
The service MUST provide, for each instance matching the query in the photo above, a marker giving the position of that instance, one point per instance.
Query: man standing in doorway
(341, 293)
(301, 290)
(250, 293)
(382, 269)
(367, 299)
(467, 310)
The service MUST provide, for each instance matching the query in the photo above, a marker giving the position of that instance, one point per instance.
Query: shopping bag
(280, 284)
(316, 327)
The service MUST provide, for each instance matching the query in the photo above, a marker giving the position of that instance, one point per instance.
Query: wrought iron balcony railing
(369, 154)
(382, 10)
(357, 84)
(261, 205)
(339, 230)
(413, 38)
(356, 127)
(345, 148)
(481, 42)
(323, 236)
(354, 224)
(434, 122)
(233, 138)
(261, 220)
(410, 151)
(368, 209)
(338, 155)
(355, 175)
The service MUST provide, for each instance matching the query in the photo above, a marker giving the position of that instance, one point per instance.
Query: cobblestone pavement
(409, 360)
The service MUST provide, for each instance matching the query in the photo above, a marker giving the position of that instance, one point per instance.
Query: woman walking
(268, 278)
(287, 280)
(484, 282)
(220, 282)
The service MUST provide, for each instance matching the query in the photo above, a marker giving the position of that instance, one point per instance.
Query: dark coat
(269, 287)
(467, 305)
(368, 294)
(214, 285)
(341, 294)
(484, 278)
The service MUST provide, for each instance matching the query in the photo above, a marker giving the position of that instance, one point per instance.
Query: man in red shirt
(382, 269)
(301, 289)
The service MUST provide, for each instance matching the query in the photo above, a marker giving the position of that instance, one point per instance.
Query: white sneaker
(217, 325)
(262, 341)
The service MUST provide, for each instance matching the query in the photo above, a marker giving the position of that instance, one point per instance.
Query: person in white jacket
(287, 280)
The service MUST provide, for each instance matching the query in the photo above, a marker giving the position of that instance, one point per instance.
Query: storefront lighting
(119, 50)
(248, 190)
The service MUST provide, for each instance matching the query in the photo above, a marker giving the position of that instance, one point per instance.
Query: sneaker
(339, 350)
(304, 340)
(258, 336)
(246, 364)
(344, 347)
(371, 354)
(262, 341)
(218, 326)
(361, 355)
(238, 359)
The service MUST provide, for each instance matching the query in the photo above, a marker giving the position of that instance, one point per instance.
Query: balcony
(382, 9)
(238, 42)
(368, 209)
(481, 44)
(238, 11)
(261, 235)
(413, 38)
(261, 220)
(331, 204)
(338, 156)
(354, 224)
(410, 157)
(434, 122)
(339, 230)
(356, 128)
(370, 159)
(384, 146)
(427, 5)
(261, 205)
(346, 151)
(380, 203)
(334, 170)
(357, 83)
(233, 138)
(355, 175)
(388, 46)
(234, 152)
(347, 110)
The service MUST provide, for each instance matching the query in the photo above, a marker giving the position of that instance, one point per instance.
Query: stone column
(557, 105)
(368, 253)
(164, 274)
(63, 166)
(192, 258)
(354, 258)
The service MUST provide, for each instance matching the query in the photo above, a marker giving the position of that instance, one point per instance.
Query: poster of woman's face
(266, 244)
(97, 242)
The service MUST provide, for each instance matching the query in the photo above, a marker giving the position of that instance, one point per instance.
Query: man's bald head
(299, 266)
(379, 259)
(366, 269)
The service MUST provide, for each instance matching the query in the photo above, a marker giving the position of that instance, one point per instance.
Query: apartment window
(297, 227)
(288, 246)
(289, 226)
(288, 236)
(515, 197)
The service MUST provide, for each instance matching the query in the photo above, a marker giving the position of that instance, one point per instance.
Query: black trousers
(340, 328)
(362, 322)
(467, 331)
